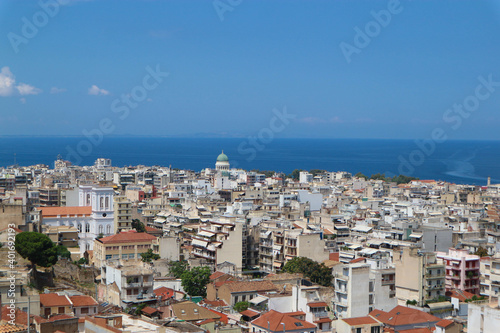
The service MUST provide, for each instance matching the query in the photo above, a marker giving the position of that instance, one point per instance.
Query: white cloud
(6, 82)
(95, 90)
(8, 85)
(23, 100)
(26, 89)
(55, 90)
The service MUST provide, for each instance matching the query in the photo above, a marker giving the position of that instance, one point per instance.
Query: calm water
(455, 161)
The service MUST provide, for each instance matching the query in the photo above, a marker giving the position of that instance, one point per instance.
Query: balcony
(133, 284)
(320, 314)
(147, 284)
(434, 276)
(434, 286)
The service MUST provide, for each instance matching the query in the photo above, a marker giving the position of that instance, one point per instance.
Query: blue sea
(465, 162)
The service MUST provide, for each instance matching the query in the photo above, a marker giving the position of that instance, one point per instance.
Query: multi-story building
(424, 281)
(126, 285)
(462, 270)
(277, 247)
(359, 289)
(490, 278)
(124, 246)
(122, 214)
(49, 197)
(219, 241)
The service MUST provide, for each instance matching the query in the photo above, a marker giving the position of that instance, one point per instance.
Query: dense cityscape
(157, 249)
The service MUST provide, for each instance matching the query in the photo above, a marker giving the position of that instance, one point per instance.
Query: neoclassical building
(222, 163)
(93, 216)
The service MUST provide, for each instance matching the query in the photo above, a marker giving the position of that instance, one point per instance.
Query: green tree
(37, 248)
(177, 268)
(138, 225)
(378, 176)
(101, 235)
(316, 172)
(149, 256)
(295, 174)
(317, 273)
(194, 282)
(241, 306)
(62, 251)
(482, 252)
(360, 175)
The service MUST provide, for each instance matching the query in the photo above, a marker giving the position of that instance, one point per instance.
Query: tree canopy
(37, 248)
(177, 268)
(241, 306)
(138, 225)
(194, 281)
(317, 273)
(149, 256)
(482, 252)
(62, 251)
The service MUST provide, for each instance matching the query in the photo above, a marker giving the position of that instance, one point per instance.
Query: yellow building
(127, 245)
(122, 214)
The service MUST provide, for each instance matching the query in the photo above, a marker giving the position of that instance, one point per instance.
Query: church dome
(222, 157)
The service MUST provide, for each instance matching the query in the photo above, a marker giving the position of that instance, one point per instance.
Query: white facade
(483, 319)
(101, 220)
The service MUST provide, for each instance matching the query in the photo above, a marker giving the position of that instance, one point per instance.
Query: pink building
(462, 270)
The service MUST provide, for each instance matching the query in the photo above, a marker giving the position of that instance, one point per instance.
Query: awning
(377, 242)
(354, 247)
(257, 300)
(277, 264)
(277, 247)
(198, 242)
(416, 236)
(362, 228)
(205, 233)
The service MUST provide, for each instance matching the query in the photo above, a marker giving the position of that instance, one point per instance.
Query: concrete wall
(169, 248)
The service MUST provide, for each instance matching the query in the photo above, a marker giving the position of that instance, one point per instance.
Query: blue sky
(225, 77)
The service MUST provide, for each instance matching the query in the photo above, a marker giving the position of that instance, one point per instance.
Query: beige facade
(424, 281)
(122, 214)
(124, 246)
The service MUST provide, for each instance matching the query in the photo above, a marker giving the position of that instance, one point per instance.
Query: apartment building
(462, 270)
(122, 214)
(278, 247)
(490, 278)
(127, 245)
(359, 289)
(126, 285)
(424, 281)
(219, 241)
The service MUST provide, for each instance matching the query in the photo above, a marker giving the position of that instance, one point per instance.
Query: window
(358, 330)
(108, 256)
(375, 329)
(107, 203)
(101, 203)
(79, 227)
(108, 229)
(84, 310)
(100, 229)
(131, 255)
(88, 199)
(87, 227)
(61, 309)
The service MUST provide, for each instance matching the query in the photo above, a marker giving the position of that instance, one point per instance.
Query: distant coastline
(459, 161)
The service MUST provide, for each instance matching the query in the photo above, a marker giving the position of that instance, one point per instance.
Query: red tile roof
(275, 320)
(402, 315)
(216, 275)
(50, 300)
(462, 295)
(317, 304)
(249, 313)
(164, 292)
(353, 261)
(129, 236)
(149, 310)
(216, 303)
(445, 323)
(356, 321)
(64, 211)
(83, 301)
(223, 317)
